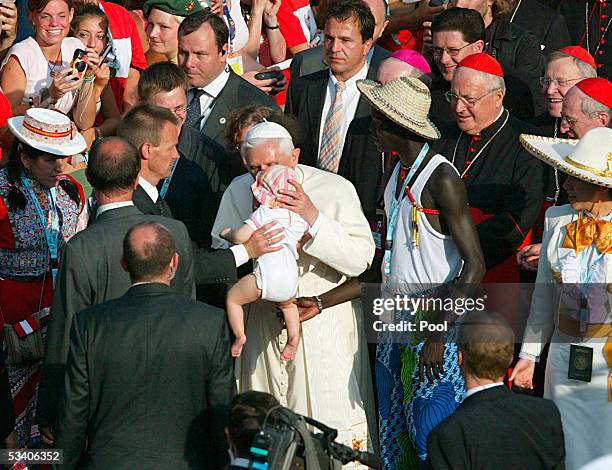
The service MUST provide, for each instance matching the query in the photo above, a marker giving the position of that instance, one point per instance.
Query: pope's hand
(298, 201)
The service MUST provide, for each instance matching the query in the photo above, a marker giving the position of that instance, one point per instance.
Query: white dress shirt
(350, 100)
(212, 92)
(480, 388)
(149, 189)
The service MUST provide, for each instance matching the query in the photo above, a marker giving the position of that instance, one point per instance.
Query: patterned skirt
(24, 382)
(408, 409)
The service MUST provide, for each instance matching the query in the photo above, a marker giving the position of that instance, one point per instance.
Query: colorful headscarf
(269, 182)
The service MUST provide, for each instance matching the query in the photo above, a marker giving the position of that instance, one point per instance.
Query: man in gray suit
(149, 375)
(90, 270)
(312, 60)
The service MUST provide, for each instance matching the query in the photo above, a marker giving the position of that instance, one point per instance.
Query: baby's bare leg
(292, 322)
(243, 292)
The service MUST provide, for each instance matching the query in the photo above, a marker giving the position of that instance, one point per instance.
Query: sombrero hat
(405, 101)
(588, 159)
(49, 131)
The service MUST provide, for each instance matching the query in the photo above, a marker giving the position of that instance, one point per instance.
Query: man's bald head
(148, 252)
(379, 11)
(392, 68)
(113, 165)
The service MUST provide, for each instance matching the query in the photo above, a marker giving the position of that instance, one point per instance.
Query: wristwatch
(319, 303)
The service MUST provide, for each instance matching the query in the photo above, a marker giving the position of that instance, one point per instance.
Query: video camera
(286, 443)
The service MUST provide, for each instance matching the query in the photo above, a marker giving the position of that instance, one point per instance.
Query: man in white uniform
(329, 378)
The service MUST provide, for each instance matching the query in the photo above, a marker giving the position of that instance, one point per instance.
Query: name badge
(234, 60)
(580, 363)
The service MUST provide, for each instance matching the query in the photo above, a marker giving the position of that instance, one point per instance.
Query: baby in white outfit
(275, 276)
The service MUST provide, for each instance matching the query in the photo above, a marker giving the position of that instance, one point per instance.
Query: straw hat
(589, 159)
(49, 131)
(405, 101)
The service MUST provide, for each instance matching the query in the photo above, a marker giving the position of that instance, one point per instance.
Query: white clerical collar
(215, 87)
(480, 388)
(148, 188)
(351, 82)
(112, 205)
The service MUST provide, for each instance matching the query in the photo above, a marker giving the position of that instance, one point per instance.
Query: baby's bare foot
(237, 346)
(290, 349)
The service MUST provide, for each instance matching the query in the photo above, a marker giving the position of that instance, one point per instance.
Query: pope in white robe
(329, 379)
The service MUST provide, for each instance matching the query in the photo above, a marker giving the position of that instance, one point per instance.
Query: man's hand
(8, 18)
(11, 441)
(426, 13)
(522, 374)
(263, 240)
(47, 434)
(529, 256)
(216, 7)
(298, 201)
(431, 361)
(307, 306)
(270, 86)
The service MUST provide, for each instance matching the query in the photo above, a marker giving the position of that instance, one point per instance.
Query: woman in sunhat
(571, 303)
(431, 242)
(40, 209)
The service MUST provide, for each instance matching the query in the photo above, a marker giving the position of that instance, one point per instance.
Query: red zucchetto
(482, 62)
(580, 54)
(598, 88)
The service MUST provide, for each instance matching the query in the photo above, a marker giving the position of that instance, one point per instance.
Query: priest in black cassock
(504, 182)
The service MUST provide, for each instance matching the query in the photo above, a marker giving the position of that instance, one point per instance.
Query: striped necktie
(331, 141)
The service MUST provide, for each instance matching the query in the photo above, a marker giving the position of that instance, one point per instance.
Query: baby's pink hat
(412, 58)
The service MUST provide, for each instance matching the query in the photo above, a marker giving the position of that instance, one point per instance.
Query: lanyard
(230, 23)
(50, 226)
(167, 180)
(395, 207)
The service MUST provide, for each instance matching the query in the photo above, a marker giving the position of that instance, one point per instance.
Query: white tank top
(436, 260)
(36, 68)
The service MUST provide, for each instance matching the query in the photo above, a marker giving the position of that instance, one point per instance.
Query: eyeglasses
(179, 109)
(545, 82)
(451, 51)
(468, 102)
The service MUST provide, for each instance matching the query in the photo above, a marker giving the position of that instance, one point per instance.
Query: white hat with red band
(49, 131)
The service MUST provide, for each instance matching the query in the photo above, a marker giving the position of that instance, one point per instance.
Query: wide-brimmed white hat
(405, 101)
(49, 131)
(589, 159)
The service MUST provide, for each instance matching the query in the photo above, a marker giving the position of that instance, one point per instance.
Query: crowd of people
(195, 196)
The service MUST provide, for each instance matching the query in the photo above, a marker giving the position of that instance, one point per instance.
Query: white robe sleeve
(343, 240)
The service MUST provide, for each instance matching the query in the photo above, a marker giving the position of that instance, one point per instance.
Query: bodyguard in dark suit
(149, 375)
(215, 89)
(154, 131)
(337, 137)
(495, 428)
(90, 271)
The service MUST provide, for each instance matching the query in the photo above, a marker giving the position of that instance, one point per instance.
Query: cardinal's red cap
(579, 53)
(597, 88)
(482, 62)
